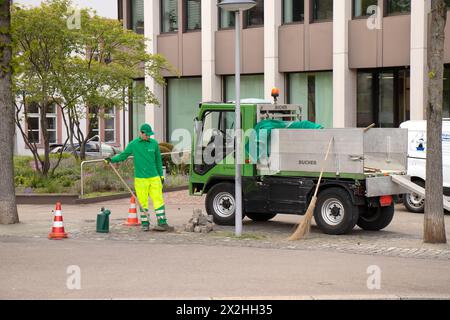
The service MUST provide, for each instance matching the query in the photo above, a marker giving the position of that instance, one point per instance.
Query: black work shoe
(163, 228)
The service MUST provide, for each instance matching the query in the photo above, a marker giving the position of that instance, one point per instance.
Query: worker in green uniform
(148, 176)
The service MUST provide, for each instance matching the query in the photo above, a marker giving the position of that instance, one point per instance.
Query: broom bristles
(305, 226)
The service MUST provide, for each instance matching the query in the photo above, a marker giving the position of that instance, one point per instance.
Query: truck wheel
(375, 219)
(413, 202)
(335, 213)
(221, 204)
(261, 217)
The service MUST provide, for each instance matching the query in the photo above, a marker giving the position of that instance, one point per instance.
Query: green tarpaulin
(259, 146)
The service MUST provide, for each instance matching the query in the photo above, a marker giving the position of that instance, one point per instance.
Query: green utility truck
(356, 189)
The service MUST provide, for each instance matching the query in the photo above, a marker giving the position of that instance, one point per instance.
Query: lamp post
(237, 6)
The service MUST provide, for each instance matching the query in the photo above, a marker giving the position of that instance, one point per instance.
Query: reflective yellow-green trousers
(151, 187)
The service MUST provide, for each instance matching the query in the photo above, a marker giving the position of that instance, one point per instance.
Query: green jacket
(147, 158)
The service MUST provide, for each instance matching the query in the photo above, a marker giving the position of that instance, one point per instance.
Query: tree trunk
(434, 224)
(8, 207)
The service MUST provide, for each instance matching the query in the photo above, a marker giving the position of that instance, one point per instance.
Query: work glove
(107, 160)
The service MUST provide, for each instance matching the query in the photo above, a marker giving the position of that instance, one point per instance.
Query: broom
(141, 208)
(305, 225)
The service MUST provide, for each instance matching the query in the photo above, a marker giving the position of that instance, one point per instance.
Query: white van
(417, 148)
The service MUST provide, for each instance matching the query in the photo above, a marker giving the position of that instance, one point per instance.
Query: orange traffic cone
(133, 219)
(58, 225)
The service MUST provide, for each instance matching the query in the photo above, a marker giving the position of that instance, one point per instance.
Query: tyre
(376, 219)
(413, 202)
(261, 217)
(221, 204)
(335, 212)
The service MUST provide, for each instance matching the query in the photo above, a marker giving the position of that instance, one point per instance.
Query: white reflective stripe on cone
(58, 224)
(58, 213)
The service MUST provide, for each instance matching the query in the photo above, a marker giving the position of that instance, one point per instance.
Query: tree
(77, 69)
(434, 224)
(101, 75)
(41, 44)
(8, 207)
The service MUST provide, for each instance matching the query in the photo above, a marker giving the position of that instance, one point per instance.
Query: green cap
(147, 129)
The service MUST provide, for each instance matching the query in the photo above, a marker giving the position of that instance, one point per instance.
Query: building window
(34, 123)
(94, 124)
(120, 10)
(395, 7)
(322, 10)
(183, 98)
(252, 86)
(383, 97)
(446, 103)
(137, 110)
(361, 7)
(102, 120)
(315, 92)
(226, 19)
(110, 125)
(193, 15)
(137, 16)
(255, 16)
(169, 16)
(293, 11)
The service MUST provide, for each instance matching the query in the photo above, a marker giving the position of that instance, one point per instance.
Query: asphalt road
(129, 264)
(38, 269)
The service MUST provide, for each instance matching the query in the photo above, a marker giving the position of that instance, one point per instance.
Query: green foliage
(74, 68)
(172, 168)
(166, 158)
(91, 65)
(64, 179)
(98, 178)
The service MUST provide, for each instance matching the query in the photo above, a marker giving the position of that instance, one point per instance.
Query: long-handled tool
(141, 208)
(305, 226)
(370, 127)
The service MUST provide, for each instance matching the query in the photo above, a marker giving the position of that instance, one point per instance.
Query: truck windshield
(215, 141)
(217, 123)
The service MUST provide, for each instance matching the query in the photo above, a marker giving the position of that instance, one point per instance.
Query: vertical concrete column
(419, 44)
(211, 85)
(272, 76)
(344, 79)
(154, 114)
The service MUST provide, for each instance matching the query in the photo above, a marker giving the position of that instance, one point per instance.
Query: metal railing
(101, 160)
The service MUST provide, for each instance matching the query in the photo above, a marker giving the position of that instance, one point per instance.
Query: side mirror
(197, 125)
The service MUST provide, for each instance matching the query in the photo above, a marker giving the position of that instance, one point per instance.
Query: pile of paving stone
(200, 223)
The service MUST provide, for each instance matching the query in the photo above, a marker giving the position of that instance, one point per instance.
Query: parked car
(417, 148)
(93, 149)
